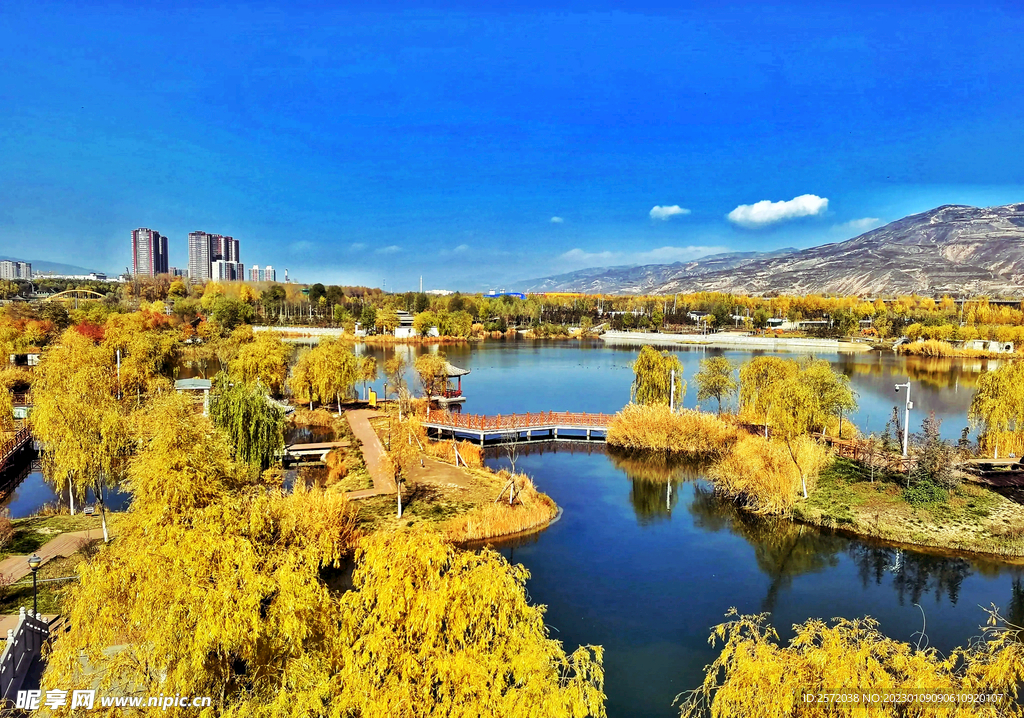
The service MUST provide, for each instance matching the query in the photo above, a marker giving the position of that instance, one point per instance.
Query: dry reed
(760, 474)
(530, 510)
(471, 454)
(939, 348)
(687, 433)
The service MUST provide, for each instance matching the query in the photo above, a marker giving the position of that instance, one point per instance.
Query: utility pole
(421, 284)
(672, 392)
(906, 419)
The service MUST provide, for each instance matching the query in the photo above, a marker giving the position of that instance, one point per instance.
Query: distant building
(15, 270)
(270, 274)
(983, 345)
(94, 276)
(439, 292)
(149, 252)
(226, 271)
(205, 249)
(255, 273)
(176, 272)
(198, 256)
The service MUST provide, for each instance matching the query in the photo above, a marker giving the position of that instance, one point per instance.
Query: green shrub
(925, 493)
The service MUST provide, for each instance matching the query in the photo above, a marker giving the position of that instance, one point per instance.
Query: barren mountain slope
(953, 248)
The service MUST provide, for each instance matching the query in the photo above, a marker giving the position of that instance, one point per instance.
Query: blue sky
(375, 142)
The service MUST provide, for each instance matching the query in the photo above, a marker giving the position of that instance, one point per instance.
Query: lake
(645, 560)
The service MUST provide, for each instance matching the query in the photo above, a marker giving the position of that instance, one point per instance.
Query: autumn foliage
(756, 675)
(686, 433)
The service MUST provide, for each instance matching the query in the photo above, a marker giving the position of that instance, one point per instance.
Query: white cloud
(858, 225)
(668, 211)
(461, 248)
(579, 258)
(765, 212)
(557, 220)
(390, 249)
(356, 246)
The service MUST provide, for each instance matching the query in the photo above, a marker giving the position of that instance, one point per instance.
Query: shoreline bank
(726, 340)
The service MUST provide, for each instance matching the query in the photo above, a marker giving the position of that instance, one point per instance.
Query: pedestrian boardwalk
(13, 445)
(502, 427)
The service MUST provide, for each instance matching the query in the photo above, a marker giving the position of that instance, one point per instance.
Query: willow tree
(998, 403)
(234, 566)
(793, 413)
(84, 429)
(265, 359)
(757, 675)
(6, 412)
(831, 390)
(432, 370)
(444, 632)
(327, 372)
(758, 377)
(715, 380)
(394, 372)
(254, 424)
(653, 378)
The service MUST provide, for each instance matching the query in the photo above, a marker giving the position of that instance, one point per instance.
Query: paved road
(374, 455)
(16, 567)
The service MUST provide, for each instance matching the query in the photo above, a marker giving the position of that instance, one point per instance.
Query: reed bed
(531, 509)
(939, 348)
(316, 417)
(760, 474)
(688, 433)
(471, 454)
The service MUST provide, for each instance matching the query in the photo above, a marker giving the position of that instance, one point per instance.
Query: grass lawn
(50, 593)
(969, 517)
(31, 533)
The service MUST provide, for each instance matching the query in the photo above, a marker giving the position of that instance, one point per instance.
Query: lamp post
(906, 419)
(33, 563)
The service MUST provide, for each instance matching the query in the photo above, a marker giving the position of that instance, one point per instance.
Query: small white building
(984, 345)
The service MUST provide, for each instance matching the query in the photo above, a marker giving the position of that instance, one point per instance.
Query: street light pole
(33, 563)
(906, 418)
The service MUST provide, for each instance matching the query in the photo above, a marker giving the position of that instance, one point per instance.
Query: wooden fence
(507, 422)
(13, 445)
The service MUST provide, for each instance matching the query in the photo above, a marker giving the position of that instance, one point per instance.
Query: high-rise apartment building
(269, 274)
(198, 256)
(255, 273)
(15, 270)
(149, 252)
(206, 249)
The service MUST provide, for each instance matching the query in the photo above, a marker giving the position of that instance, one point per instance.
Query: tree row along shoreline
(774, 456)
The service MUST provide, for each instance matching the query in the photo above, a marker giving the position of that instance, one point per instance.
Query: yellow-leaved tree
(998, 404)
(265, 359)
(217, 587)
(213, 587)
(84, 428)
(653, 378)
(755, 675)
(432, 630)
(326, 373)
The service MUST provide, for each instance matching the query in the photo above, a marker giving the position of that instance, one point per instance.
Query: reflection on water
(646, 559)
(31, 492)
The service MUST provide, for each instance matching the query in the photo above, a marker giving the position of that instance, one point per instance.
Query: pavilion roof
(452, 370)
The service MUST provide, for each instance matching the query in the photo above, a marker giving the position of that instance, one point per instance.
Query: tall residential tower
(149, 252)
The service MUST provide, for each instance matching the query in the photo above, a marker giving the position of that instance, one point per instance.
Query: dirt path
(16, 567)
(374, 455)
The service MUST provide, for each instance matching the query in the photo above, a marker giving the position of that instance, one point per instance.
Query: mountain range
(950, 249)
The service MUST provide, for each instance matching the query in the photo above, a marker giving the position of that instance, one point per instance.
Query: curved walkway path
(66, 544)
(374, 455)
